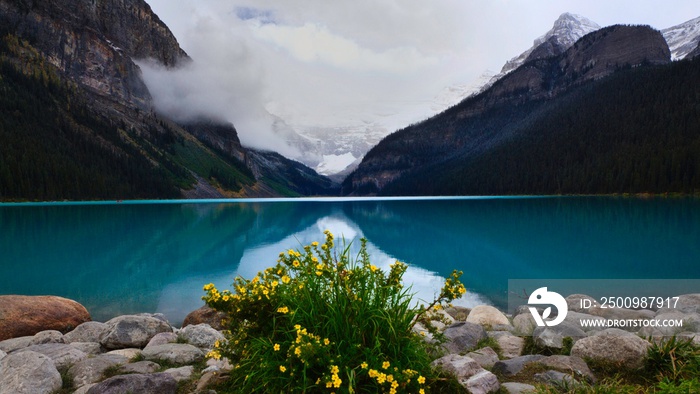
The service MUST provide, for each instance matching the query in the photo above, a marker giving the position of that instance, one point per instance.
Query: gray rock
(2, 354)
(515, 365)
(518, 388)
(48, 336)
(485, 357)
(553, 337)
(142, 367)
(62, 355)
(92, 369)
(201, 335)
(28, 373)
(459, 366)
(574, 319)
(12, 344)
(687, 303)
(556, 378)
(130, 353)
(459, 313)
(182, 373)
(90, 331)
(511, 346)
(486, 315)
(612, 346)
(84, 389)
(463, 337)
(482, 382)
(162, 338)
(574, 302)
(569, 364)
(176, 353)
(157, 383)
(223, 364)
(132, 331)
(91, 348)
(524, 324)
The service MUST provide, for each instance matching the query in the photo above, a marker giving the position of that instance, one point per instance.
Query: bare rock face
(206, 315)
(94, 42)
(28, 373)
(28, 315)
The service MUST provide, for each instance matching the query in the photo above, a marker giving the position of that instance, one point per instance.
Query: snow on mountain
(682, 39)
(567, 29)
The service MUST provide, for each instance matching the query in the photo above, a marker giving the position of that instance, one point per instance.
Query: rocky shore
(50, 345)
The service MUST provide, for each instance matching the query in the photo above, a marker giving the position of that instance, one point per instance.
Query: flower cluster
(320, 320)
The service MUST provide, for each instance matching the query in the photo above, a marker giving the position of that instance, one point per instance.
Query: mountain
(609, 115)
(683, 39)
(567, 29)
(77, 120)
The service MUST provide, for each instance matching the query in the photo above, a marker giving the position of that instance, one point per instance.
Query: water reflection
(155, 257)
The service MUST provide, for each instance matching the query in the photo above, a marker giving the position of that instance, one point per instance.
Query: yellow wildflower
(421, 379)
(208, 287)
(286, 279)
(421, 391)
(334, 369)
(363, 365)
(326, 341)
(296, 263)
(283, 309)
(373, 268)
(314, 243)
(276, 347)
(283, 368)
(386, 364)
(319, 273)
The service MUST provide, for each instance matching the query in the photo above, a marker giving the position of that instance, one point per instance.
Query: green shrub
(321, 321)
(673, 359)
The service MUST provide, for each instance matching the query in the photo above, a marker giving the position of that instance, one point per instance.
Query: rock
(92, 369)
(140, 367)
(61, 354)
(687, 303)
(524, 324)
(463, 337)
(459, 313)
(207, 379)
(622, 313)
(162, 339)
(90, 331)
(462, 367)
(48, 336)
(485, 357)
(10, 345)
(574, 319)
(511, 346)
(132, 331)
(556, 378)
(206, 315)
(201, 335)
(515, 365)
(28, 315)
(517, 388)
(90, 348)
(130, 353)
(569, 364)
(182, 373)
(28, 373)
(574, 302)
(223, 364)
(553, 337)
(2, 354)
(176, 353)
(486, 315)
(612, 346)
(482, 382)
(157, 383)
(84, 389)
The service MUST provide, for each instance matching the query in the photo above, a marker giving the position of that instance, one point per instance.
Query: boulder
(201, 335)
(485, 357)
(482, 382)
(176, 353)
(206, 315)
(511, 346)
(10, 345)
(556, 378)
(132, 331)
(2, 354)
(48, 336)
(28, 315)
(459, 313)
(524, 324)
(162, 338)
(687, 303)
(574, 302)
(91, 348)
(157, 383)
(517, 388)
(553, 337)
(515, 365)
(90, 331)
(569, 364)
(92, 369)
(61, 354)
(140, 367)
(613, 346)
(486, 315)
(463, 337)
(28, 373)
(129, 353)
(182, 373)
(574, 319)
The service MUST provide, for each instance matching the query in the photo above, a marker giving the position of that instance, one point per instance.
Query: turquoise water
(118, 258)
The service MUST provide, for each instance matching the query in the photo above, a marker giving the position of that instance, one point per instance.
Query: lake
(130, 257)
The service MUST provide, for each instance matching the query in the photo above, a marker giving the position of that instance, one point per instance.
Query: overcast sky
(310, 59)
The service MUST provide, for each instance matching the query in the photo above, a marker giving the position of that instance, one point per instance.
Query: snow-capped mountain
(682, 39)
(567, 29)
